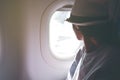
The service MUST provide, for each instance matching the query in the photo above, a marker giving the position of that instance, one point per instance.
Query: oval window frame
(46, 53)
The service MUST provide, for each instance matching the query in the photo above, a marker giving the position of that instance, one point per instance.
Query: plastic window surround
(46, 52)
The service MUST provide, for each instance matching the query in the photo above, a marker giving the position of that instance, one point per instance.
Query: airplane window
(63, 42)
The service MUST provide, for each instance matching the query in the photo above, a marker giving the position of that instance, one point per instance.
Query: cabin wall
(35, 66)
(20, 57)
(11, 40)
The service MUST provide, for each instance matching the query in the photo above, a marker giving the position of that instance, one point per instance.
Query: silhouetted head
(91, 22)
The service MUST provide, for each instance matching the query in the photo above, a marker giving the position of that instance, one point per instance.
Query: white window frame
(44, 35)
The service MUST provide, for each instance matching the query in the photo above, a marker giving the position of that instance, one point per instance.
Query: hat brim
(84, 21)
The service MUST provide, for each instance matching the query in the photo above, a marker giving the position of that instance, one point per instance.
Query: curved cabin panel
(24, 37)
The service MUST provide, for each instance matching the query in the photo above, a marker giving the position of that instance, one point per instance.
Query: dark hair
(103, 33)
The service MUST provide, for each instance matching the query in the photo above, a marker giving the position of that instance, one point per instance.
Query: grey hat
(89, 12)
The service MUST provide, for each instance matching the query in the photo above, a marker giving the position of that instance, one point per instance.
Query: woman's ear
(94, 41)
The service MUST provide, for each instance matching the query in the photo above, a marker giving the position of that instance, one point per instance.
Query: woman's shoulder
(111, 68)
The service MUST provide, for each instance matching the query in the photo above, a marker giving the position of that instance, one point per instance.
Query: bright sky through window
(63, 42)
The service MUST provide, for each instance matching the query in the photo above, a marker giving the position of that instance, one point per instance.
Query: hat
(89, 12)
